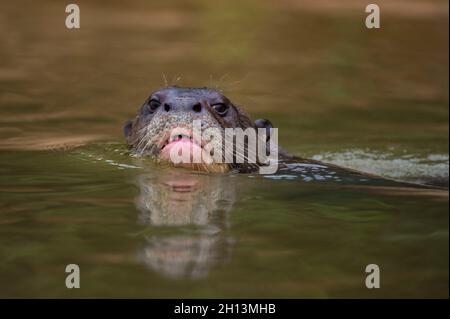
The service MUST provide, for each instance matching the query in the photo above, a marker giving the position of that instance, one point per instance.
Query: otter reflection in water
(195, 207)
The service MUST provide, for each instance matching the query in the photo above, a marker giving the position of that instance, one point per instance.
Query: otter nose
(197, 108)
(183, 104)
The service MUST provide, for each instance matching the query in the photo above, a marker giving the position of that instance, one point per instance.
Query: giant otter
(165, 121)
(166, 118)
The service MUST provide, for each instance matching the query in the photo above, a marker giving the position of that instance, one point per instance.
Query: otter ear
(263, 123)
(127, 128)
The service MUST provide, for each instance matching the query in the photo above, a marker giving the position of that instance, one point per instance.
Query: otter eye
(153, 105)
(220, 108)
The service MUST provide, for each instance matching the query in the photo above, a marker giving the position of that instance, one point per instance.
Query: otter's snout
(180, 133)
(183, 104)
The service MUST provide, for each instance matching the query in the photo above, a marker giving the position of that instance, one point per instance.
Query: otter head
(166, 118)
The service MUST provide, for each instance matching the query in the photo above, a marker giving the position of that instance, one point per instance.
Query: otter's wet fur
(173, 107)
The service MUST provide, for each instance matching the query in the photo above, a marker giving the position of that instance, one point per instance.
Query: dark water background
(373, 100)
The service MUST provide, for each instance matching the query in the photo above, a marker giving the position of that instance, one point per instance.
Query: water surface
(373, 101)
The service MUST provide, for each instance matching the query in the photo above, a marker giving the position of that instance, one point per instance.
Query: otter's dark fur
(175, 106)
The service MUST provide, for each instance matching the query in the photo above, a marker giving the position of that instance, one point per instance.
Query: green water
(373, 100)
